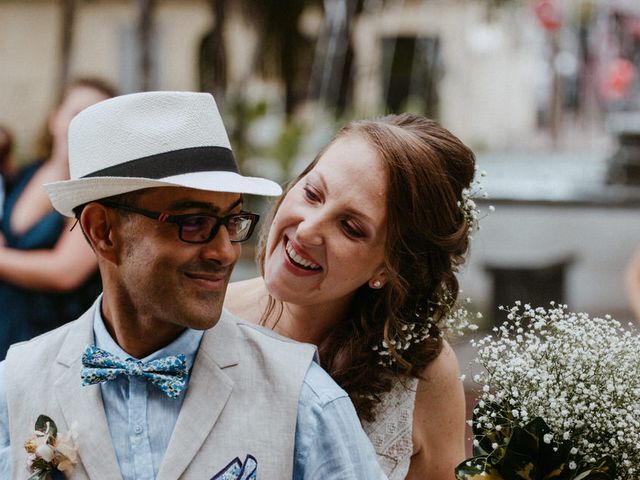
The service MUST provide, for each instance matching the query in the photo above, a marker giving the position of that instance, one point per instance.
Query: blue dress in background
(25, 313)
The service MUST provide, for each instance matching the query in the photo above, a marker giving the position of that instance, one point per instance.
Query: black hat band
(176, 162)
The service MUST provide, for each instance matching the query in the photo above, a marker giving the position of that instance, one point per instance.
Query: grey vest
(242, 400)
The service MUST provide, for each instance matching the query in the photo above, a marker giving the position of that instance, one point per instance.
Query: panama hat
(151, 139)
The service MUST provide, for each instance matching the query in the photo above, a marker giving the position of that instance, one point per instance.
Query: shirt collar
(187, 343)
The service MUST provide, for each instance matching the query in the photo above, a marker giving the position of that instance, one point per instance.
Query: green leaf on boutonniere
(46, 425)
(39, 475)
(41, 469)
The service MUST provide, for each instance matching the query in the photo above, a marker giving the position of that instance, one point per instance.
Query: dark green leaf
(603, 469)
(40, 464)
(39, 475)
(476, 468)
(41, 425)
(487, 437)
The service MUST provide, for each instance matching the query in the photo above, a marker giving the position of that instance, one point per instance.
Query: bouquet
(560, 399)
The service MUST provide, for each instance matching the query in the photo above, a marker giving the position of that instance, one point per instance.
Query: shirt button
(137, 429)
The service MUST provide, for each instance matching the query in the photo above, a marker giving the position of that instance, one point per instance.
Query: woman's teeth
(299, 261)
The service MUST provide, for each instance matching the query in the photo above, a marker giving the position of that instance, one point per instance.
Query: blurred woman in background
(48, 273)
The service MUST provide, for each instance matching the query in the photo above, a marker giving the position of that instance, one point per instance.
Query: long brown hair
(427, 237)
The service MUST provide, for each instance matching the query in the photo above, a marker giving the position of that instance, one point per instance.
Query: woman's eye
(311, 195)
(352, 230)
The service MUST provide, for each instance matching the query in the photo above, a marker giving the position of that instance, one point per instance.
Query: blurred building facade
(447, 58)
(504, 75)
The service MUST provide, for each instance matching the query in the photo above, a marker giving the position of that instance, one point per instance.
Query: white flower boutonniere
(49, 451)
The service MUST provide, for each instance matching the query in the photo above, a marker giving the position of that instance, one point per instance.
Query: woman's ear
(98, 225)
(378, 280)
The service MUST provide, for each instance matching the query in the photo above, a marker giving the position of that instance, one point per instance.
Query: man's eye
(239, 223)
(197, 222)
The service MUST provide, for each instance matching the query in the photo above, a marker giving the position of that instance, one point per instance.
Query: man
(174, 386)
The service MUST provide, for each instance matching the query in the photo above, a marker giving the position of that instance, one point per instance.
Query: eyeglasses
(200, 228)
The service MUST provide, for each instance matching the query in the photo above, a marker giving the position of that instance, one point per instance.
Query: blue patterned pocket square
(236, 470)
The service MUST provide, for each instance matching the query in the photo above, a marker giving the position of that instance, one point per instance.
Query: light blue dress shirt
(329, 441)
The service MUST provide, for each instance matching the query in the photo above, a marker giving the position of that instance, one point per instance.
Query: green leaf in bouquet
(41, 426)
(477, 468)
(526, 456)
(603, 469)
(550, 458)
(488, 437)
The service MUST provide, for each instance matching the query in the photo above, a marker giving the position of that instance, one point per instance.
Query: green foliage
(288, 144)
(239, 114)
(42, 470)
(47, 426)
(522, 453)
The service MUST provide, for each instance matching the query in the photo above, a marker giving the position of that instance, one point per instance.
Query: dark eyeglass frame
(180, 220)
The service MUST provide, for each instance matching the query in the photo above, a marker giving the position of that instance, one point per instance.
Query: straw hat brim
(69, 194)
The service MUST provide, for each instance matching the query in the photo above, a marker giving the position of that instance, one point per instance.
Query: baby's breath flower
(421, 327)
(579, 374)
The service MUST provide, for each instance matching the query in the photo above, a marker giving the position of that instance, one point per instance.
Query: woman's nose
(310, 231)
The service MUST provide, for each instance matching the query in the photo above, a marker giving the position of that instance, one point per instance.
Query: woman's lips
(300, 259)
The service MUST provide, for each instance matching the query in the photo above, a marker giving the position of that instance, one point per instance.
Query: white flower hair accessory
(455, 322)
(50, 451)
(468, 205)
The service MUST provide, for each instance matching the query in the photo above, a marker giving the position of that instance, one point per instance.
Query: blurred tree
(284, 48)
(212, 67)
(66, 34)
(283, 51)
(331, 79)
(145, 24)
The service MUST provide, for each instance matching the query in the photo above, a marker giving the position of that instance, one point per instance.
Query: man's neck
(137, 335)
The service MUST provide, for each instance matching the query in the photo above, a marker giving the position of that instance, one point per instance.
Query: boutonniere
(49, 451)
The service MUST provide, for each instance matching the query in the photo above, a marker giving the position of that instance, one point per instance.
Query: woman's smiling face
(327, 238)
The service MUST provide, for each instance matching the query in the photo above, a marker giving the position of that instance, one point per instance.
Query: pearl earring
(377, 284)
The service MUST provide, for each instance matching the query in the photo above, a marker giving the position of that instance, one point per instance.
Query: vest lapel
(207, 394)
(83, 405)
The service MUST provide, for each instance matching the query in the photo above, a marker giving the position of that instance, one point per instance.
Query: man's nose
(220, 248)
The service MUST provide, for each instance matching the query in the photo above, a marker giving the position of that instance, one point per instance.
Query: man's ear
(99, 226)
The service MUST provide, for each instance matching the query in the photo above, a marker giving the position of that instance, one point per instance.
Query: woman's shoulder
(246, 299)
(444, 367)
(438, 380)
(439, 414)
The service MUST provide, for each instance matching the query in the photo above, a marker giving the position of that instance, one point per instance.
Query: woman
(47, 272)
(360, 260)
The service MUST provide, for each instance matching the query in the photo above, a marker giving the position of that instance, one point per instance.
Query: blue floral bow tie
(168, 374)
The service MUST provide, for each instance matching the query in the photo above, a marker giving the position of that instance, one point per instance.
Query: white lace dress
(391, 431)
